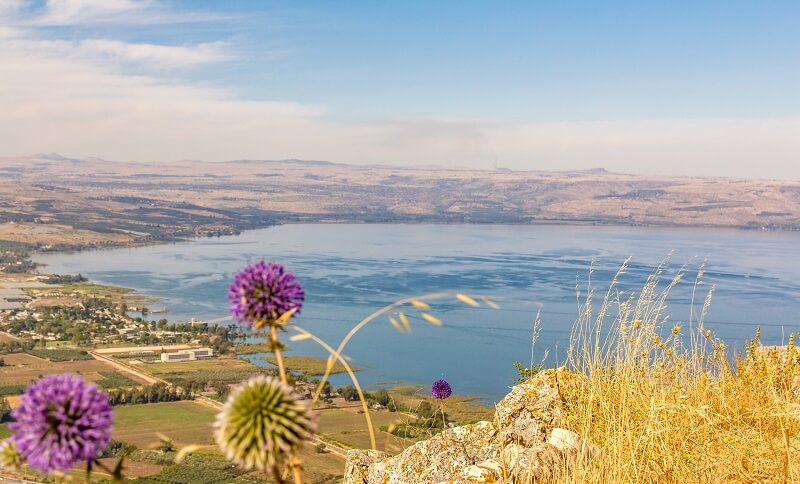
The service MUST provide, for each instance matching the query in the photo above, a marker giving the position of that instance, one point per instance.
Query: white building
(187, 355)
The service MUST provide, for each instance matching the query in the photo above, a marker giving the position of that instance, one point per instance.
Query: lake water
(349, 271)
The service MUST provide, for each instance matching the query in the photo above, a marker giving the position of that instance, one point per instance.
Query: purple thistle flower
(262, 292)
(61, 419)
(441, 390)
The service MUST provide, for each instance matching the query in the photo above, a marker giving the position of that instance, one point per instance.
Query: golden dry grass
(677, 408)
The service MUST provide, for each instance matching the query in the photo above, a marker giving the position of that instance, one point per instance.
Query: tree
(320, 448)
(5, 410)
(349, 393)
(383, 397)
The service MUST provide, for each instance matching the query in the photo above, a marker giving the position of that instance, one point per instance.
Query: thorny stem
(273, 337)
(297, 473)
(276, 474)
(105, 468)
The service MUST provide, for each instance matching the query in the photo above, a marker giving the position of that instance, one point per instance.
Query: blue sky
(708, 88)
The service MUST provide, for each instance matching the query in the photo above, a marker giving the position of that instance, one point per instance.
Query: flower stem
(273, 338)
(297, 472)
(276, 474)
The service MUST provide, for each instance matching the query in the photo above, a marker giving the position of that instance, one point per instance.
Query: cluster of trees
(117, 449)
(381, 397)
(429, 420)
(16, 261)
(158, 392)
(16, 346)
(64, 279)
(5, 410)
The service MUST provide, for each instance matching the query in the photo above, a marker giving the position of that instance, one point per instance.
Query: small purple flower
(61, 419)
(262, 292)
(441, 390)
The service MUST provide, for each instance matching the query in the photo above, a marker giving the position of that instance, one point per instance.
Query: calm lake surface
(349, 271)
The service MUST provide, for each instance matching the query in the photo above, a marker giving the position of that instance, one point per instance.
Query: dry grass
(670, 404)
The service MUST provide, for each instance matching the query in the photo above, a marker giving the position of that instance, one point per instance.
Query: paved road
(127, 368)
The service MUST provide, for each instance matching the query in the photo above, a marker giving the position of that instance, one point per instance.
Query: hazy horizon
(683, 89)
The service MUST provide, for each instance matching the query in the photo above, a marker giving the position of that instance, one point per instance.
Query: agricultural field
(60, 354)
(309, 365)
(463, 408)
(186, 422)
(21, 369)
(347, 427)
(202, 371)
(6, 337)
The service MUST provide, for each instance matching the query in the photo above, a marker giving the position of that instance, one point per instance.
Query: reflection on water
(351, 270)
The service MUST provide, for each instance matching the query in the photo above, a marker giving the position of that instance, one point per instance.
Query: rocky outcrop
(521, 444)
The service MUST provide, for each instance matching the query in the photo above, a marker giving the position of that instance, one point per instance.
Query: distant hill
(55, 199)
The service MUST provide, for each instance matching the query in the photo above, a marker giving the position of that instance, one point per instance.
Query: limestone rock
(522, 443)
(359, 462)
(570, 442)
(526, 464)
(488, 471)
(439, 458)
(526, 414)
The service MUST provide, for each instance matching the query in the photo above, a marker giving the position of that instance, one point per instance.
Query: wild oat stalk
(666, 406)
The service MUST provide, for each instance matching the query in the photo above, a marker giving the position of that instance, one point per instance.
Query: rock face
(522, 443)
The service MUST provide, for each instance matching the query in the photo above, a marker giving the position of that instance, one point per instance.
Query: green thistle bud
(9, 457)
(262, 422)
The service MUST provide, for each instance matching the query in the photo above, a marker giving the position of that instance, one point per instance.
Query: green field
(349, 428)
(202, 371)
(251, 348)
(310, 365)
(463, 408)
(186, 422)
(191, 422)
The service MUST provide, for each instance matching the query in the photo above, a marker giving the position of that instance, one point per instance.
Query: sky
(706, 88)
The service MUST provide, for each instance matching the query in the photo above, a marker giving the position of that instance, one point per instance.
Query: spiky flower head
(9, 457)
(441, 390)
(262, 292)
(262, 422)
(61, 419)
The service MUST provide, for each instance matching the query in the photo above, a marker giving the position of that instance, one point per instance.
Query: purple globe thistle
(262, 292)
(61, 419)
(441, 390)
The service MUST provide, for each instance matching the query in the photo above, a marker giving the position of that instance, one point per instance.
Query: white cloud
(79, 97)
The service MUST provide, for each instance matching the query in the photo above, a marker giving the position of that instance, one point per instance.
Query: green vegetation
(201, 469)
(115, 379)
(347, 427)
(5, 410)
(64, 279)
(462, 409)
(158, 392)
(60, 354)
(226, 370)
(308, 365)
(12, 389)
(185, 422)
(251, 348)
(15, 258)
(4, 432)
